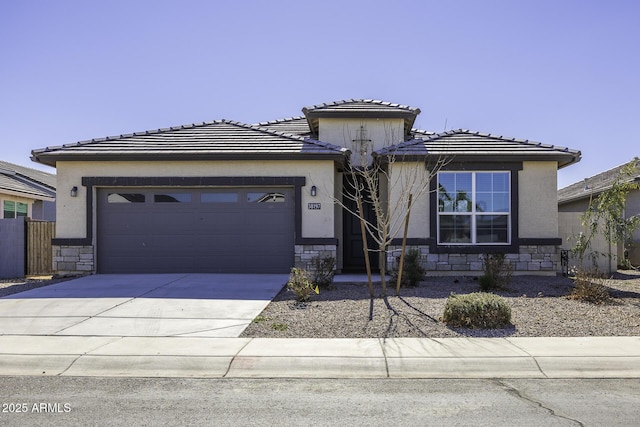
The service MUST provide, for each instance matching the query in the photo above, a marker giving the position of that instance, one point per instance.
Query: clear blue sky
(565, 72)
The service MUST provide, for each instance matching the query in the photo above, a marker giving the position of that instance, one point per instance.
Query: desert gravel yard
(539, 306)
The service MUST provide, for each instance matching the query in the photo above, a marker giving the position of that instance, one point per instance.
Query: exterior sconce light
(74, 191)
(314, 191)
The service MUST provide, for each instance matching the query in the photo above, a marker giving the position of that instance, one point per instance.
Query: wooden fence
(39, 260)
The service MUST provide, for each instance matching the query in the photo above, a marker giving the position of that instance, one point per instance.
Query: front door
(354, 260)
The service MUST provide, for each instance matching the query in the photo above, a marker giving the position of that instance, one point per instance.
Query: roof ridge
(258, 128)
(602, 176)
(501, 138)
(131, 135)
(4, 162)
(355, 100)
(287, 119)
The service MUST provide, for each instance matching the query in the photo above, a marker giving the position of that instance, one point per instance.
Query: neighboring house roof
(360, 108)
(220, 139)
(465, 145)
(26, 182)
(594, 185)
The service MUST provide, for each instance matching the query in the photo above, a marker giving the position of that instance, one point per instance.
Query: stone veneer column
(73, 260)
(305, 253)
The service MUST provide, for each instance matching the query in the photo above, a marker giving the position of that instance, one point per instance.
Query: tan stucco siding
(569, 228)
(409, 178)
(538, 200)
(342, 132)
(71, 214)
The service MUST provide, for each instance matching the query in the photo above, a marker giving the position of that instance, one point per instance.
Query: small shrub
(279, 327)
(300, 284)
(478, 310)
(412, 271)
(497, 272)
(323, 270)
(590, 287)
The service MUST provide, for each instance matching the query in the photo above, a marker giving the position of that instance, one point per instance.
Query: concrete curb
(199, 357)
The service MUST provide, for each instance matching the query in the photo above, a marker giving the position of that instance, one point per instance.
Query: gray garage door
(231, 230)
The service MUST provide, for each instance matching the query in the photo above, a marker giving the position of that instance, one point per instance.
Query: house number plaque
(314, 206)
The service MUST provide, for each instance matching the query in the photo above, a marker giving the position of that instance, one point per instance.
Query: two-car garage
(208, 230)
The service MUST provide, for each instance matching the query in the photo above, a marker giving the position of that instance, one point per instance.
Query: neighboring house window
(474, 208)
(14, 209)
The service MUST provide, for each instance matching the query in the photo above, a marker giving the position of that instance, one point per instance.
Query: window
(125, 198)
(474, 208)
(14, 209)
(265, 197)
(219, 197)
(172, 198)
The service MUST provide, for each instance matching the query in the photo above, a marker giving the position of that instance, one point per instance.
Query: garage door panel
(239, 234)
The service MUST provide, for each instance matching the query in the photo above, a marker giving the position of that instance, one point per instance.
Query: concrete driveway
(142, 305)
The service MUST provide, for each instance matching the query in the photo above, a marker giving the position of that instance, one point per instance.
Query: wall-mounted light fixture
(74, 191)
(314, 191)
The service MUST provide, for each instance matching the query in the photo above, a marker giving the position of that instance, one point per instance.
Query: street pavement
(187, 325)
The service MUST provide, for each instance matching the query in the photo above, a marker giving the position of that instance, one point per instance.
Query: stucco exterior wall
(342, 132)
(409, 178)
(70, 211)
(569, 228)
(538, 200)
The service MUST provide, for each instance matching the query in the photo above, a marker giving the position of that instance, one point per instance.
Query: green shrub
(590, 287)
(478, 310)
(497, 272)
(412, 271)
(323, 269)
(300, 284)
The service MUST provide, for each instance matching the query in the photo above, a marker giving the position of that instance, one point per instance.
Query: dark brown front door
(354, 260)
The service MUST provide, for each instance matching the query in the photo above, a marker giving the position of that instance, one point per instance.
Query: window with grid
(13, 209)
(474, 208)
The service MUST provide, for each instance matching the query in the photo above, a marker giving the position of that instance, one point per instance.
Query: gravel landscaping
(539, 305)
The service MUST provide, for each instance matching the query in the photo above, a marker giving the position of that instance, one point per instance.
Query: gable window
(12, 209)
(474, 208)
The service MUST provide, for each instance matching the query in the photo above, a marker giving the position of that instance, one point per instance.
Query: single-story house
(26, 192)
(224, 196)
(573, 202)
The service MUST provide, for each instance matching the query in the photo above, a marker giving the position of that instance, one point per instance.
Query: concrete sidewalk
(186, 325)
(206, 357)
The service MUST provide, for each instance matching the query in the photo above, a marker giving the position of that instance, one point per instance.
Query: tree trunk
(404, 245)
(365, 247)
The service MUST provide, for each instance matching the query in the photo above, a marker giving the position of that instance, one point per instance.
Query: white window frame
(15, 208)
(473, 214)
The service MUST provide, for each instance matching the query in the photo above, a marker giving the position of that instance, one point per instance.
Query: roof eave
(51, 159)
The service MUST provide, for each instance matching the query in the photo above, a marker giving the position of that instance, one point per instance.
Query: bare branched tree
(390, 183)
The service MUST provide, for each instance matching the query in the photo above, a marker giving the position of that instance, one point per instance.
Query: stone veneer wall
(305, 253)
(531, 259)
(73, 260)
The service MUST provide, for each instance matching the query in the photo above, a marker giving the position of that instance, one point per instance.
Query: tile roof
(593, 185)
(293, 125)
(361, 105)
(360, 108)
(27, 182)
(464, 145)
(220, 139)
